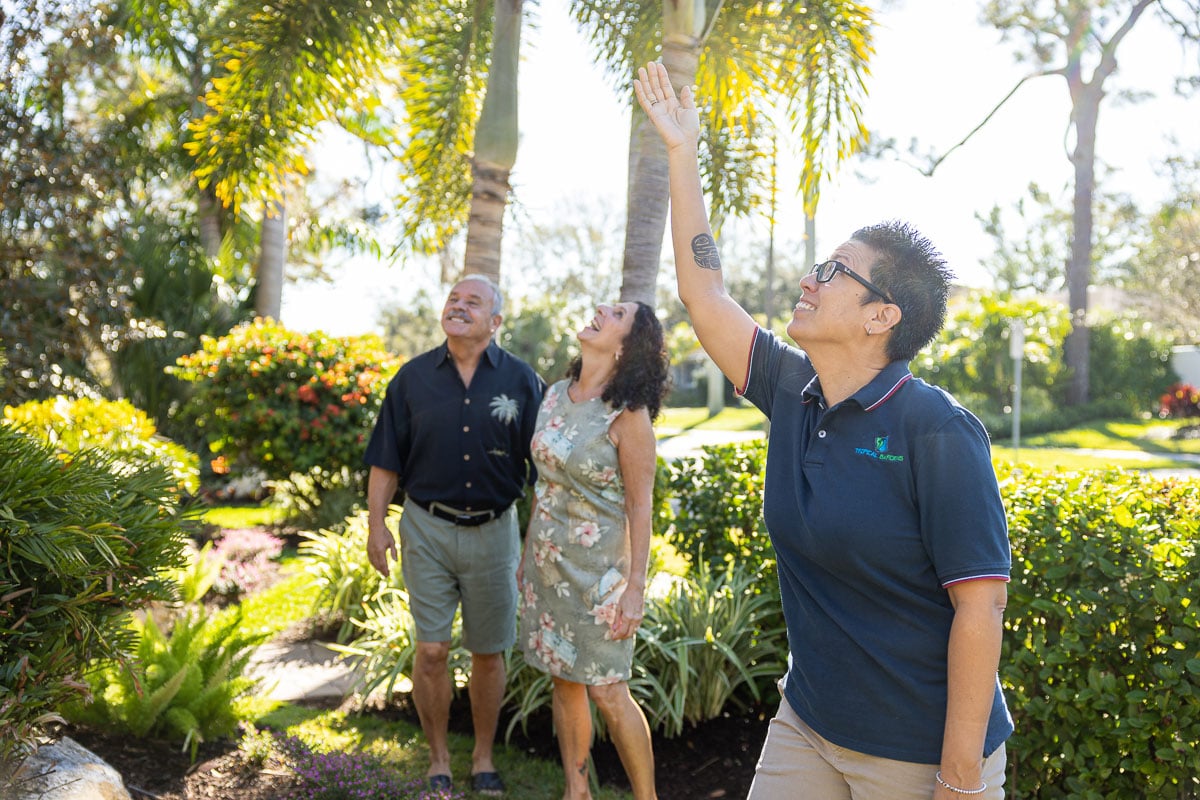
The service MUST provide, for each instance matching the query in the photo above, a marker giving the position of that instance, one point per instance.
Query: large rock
(65, 770)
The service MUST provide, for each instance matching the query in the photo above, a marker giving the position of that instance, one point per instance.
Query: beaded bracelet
(938, 777)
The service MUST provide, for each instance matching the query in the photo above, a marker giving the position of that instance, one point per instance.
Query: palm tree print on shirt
(504, 408)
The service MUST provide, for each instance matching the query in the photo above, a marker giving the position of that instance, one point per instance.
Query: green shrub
(114, 426)
(286, 402)
(1102, 654)
(345, 580)
(718, 512)
(84, 540)
(181, 687)
(970, 357)
(1129, 363)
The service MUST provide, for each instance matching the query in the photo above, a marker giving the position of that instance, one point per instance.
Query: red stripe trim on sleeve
(749, 361)
(997, 577)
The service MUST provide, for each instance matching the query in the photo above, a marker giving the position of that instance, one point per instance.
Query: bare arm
(974, 656)
(634, 437)
(723, 327)
(381, 487)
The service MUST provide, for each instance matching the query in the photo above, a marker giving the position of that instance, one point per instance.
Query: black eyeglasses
(827, 269)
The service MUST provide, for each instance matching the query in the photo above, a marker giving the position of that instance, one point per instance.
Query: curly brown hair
(641, 377)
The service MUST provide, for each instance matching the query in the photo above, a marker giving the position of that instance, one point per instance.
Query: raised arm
(723, 327)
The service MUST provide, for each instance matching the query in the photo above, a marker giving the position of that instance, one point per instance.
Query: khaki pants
(798, 764)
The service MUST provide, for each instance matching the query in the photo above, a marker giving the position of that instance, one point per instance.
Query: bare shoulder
(631, 425)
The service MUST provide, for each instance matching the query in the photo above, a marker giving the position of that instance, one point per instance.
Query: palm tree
(296, 65)
(462, 127)
(748, 60)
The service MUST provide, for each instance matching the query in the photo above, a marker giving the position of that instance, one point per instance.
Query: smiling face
(610, 326)
(467, 315)
(834, 311)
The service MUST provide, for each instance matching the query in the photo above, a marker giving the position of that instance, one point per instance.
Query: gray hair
(497, 295)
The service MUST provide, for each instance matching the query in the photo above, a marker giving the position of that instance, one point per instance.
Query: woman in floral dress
(583, 572)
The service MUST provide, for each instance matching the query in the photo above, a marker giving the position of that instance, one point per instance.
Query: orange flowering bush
(286, 402)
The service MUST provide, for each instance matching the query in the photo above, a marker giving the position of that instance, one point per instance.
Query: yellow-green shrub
(115, 426)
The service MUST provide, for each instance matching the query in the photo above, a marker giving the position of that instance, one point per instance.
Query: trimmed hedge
(1101, 659)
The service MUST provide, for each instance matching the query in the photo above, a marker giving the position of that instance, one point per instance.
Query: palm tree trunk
(268, 293)
(646, 207)
(495, 145)
(208, 210)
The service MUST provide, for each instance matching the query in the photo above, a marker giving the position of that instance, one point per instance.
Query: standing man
(454, 434)
(881, 502)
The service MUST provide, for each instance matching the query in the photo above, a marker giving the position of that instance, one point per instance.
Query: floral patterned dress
(577, 550)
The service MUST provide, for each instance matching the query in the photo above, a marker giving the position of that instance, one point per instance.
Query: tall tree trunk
(272, 248)
(1085, 113)
(495, 145)
(1079, 268)
(646, 208)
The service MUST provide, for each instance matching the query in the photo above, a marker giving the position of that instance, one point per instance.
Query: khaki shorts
(797, 763)
(445, 565)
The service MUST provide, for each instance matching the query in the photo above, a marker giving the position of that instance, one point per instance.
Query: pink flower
(605, 614)
(588, 533)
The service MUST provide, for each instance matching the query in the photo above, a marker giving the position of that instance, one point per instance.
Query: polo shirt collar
(875, 393)
(492, 353)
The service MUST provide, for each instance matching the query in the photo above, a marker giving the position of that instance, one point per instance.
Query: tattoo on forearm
(704, 251)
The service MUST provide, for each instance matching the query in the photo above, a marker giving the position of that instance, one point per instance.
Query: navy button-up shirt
(467, 447)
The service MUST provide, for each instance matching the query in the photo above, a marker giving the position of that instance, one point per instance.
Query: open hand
(677, 120)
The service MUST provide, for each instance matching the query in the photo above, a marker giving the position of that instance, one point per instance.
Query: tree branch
(937, 161)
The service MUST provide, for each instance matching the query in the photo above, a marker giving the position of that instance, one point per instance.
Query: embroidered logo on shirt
(880, 453)
(504, 408)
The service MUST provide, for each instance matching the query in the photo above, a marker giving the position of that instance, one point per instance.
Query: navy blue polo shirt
(465, 447)
(874, 506)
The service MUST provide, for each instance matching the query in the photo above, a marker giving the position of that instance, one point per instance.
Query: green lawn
(243, 516)
(744, 418)
(1051, 458)
(1151, 436)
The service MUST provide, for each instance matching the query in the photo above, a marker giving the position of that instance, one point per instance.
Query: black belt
(465, 519)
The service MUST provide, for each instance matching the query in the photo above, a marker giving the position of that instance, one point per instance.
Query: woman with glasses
(882, 506)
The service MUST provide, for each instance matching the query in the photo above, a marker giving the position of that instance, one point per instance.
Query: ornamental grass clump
(350, 776)
(346, 581)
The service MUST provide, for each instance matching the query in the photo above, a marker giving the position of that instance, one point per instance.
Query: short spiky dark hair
(914, 273)
(640, 380)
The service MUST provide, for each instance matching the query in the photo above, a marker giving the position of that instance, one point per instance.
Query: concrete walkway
(301, 671)
(676, 444)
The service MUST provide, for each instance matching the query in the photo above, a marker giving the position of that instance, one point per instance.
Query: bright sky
(936, 74)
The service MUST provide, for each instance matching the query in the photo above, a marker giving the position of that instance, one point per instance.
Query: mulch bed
(713, 760)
